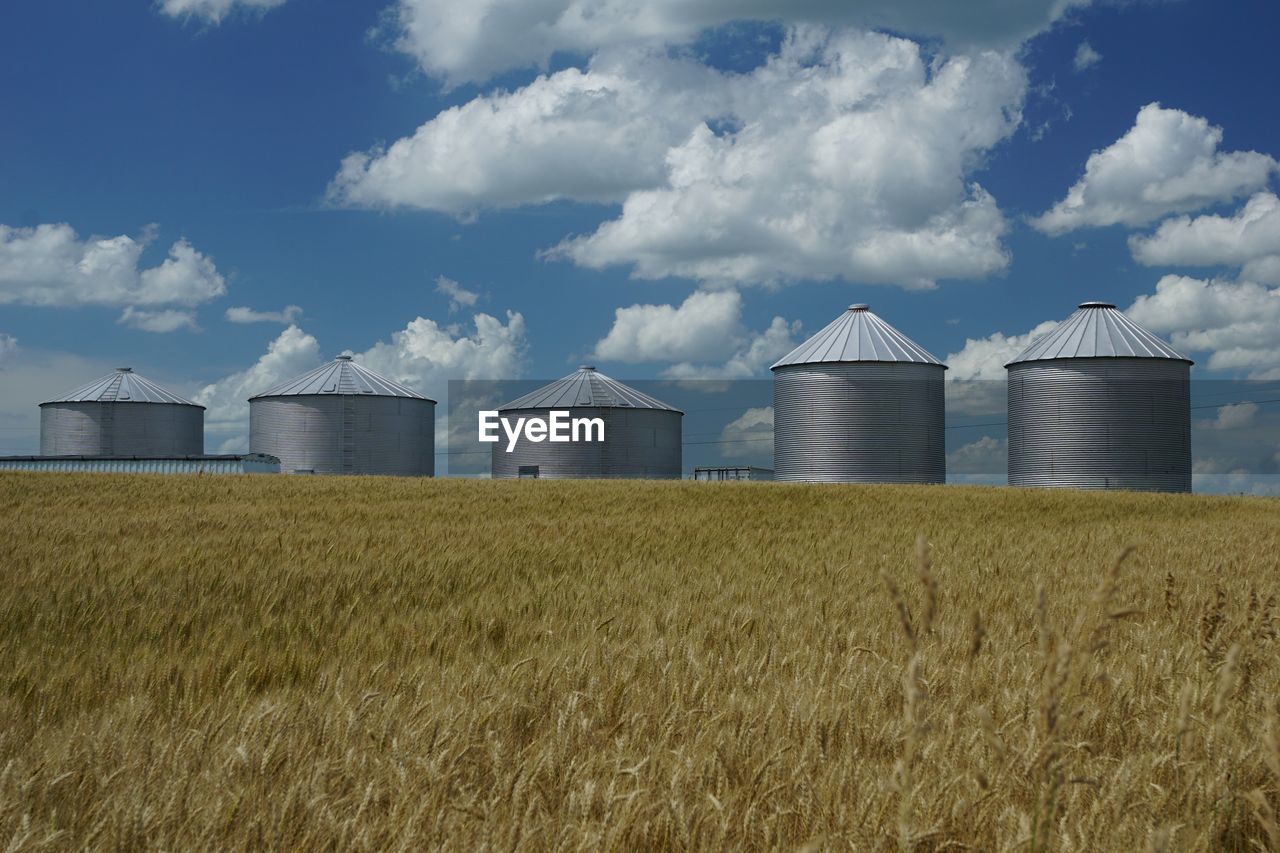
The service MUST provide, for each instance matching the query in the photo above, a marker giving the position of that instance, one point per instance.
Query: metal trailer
(342, 418)
(1100, 403)
(642, 435)
(745, 472)
(122, 414)
(859, 402)
(253, 463)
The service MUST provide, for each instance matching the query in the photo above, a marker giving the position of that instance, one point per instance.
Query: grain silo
(121, 414)
(641, 435)
(1100, 403)
(859, 402)
(342, 418)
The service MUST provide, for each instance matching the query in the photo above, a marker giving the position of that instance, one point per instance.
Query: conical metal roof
(858, 335)
(586, 388)
(340, 376)
(122, 386)
(1098, 330)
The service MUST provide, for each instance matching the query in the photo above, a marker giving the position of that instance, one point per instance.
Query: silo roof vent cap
(586, 367)
(859, 306)
(344, 358)
(1096, 305)
(124, 370)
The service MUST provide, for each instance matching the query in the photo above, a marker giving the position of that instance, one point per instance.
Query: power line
(725, 441)
(1237, 403)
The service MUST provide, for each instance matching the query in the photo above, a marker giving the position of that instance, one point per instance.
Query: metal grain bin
(121, 414)
(859, 402)
(642, 436)
(342, 418)
(1100, 403)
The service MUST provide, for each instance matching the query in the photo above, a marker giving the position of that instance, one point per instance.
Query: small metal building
(252, 463)
(121, 414)
(1100, 403)
(642, 436)
(342, 418)
(859, 402)
(742, 472)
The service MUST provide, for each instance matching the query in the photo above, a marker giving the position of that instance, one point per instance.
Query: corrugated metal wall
(638, 444)
(859, 422)
(346, 434)
(121, 429)
(143, 466)
(1101, 423)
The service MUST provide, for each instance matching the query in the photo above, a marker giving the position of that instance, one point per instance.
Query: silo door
(528, 472)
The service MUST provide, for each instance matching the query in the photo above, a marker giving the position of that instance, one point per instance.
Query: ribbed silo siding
(343, 434)
(142, 466)
(859, 422)
(638, 444)
(304, 432)
(121, 429)
(1101, 424)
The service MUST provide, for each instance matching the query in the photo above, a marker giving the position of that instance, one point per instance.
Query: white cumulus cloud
(214, 11)
(49, 265)
(8, 346)
(750, 434)
(459, 296)
(591, 136)
(983, 460)
(1086, 56)
(1249, 239)
(1168, 162)
(985, 358)
(753, 356)
(845, 155)
(1237, 323)
(850, 162)
(705, 326)
(425, 355)
(167, 320)
(285, 316)
(703, 337)
(471, 40)
(1235, 416)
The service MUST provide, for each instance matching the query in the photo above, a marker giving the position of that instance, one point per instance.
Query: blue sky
(732, 185)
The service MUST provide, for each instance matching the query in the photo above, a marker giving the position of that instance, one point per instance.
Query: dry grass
(382, 664)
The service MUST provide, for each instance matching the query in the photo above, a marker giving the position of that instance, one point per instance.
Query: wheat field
(378, 664)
